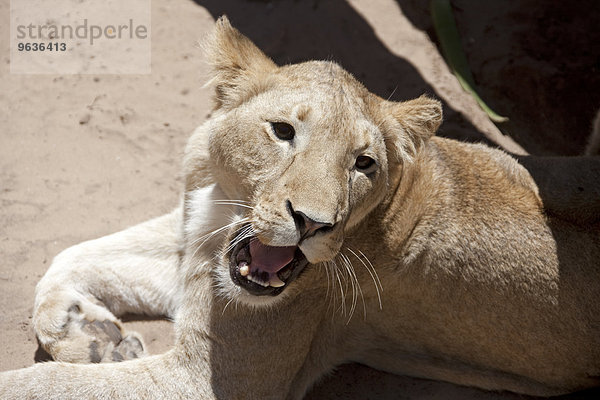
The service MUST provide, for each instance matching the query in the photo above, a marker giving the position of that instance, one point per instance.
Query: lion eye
(365, 164)
(283, 131)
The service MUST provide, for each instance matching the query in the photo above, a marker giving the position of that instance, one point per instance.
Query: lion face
(305, 151)
(310, 163)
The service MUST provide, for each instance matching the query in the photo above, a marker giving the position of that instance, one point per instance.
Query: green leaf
(449, 38)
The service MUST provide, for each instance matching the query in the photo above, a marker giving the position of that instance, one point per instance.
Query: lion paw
(129, 348)
(108, 344)
(91, 335)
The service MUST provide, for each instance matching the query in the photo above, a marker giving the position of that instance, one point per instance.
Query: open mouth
(265, 270)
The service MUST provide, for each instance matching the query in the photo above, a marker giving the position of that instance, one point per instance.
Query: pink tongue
(268, 258)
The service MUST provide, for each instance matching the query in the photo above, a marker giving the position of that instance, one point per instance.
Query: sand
(82, 156)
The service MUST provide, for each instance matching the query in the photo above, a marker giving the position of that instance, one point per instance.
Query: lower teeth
(274, 280)
(250, 278)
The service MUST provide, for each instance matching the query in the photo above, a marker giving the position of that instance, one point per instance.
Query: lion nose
(306, 225)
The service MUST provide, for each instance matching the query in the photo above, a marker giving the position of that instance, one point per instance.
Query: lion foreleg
(90, 285)
(154, 377)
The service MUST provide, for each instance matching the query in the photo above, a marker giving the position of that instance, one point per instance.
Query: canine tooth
(276, 282)
(244, 269)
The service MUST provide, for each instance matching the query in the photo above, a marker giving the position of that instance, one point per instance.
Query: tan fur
(440, 263)
(593, 145)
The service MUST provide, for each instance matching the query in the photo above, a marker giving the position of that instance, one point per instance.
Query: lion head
(305, 151)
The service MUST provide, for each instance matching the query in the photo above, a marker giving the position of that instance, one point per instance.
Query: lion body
(438, 260)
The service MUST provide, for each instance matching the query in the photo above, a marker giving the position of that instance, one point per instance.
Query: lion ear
(410, 124)
(239, 69)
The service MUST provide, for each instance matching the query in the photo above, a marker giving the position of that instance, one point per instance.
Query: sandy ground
(84, 156)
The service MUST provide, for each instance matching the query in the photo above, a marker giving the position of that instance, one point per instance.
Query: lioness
(321, 224)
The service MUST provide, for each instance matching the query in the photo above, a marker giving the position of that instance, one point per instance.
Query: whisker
(208, 235)
(325, 265)
(226, 305)
(232, 203)
(351, 268)
(372, 272)
(232, 200)
(245, 233)
(205, 238)
(391, 94)
(199, 242)
(343, 296)
(350, 278)
(331, 282)
(372, 268)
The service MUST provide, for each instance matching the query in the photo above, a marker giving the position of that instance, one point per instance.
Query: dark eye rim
(283, 130)
(369, 167)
